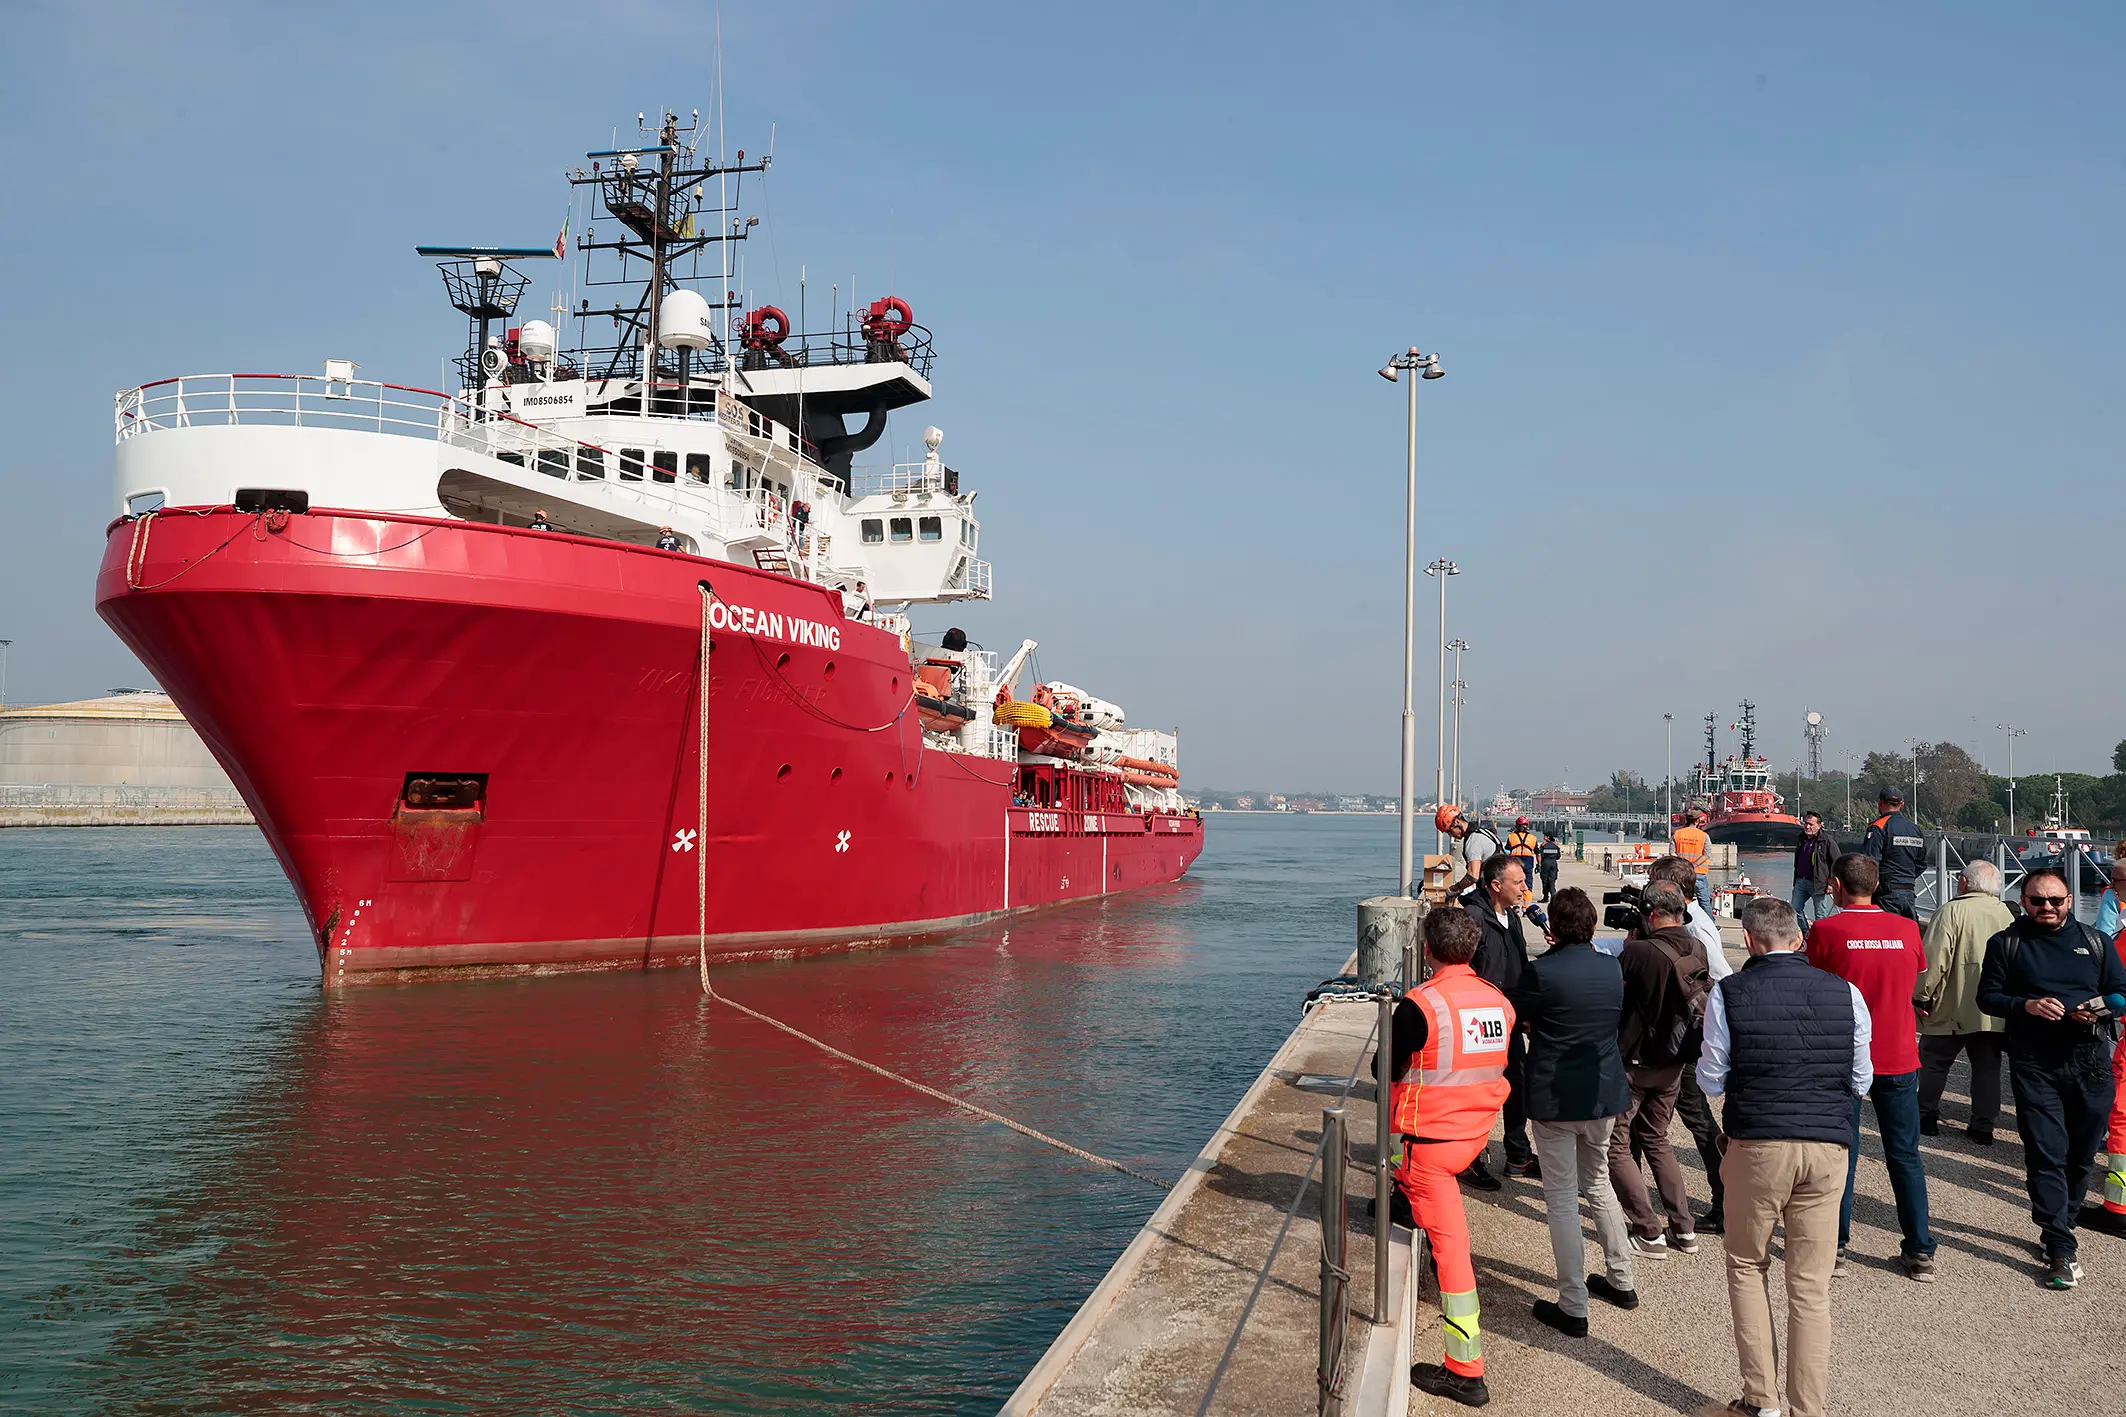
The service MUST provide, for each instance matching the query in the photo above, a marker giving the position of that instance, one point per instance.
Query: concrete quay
(1152, 1334)
(115, 815)
(1984, 1338)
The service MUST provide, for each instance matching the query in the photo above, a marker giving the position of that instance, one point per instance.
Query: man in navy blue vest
(1787, 1044)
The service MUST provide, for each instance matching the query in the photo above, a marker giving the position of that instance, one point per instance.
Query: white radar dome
(684, 322)
(536, 341)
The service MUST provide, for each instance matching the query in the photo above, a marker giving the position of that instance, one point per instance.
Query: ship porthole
(782, 772)
(782, 661)
(896, 685)
(835, 776)
(830, 669)
(911, 779)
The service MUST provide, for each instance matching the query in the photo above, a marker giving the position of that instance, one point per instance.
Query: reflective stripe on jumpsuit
(1444, 1110)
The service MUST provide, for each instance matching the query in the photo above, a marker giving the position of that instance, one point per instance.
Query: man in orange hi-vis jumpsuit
(2110, 1217)
(1449, 1061)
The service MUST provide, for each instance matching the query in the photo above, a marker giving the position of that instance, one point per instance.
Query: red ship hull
(329, 658)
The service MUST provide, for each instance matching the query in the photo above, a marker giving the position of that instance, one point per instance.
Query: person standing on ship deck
(539, 521)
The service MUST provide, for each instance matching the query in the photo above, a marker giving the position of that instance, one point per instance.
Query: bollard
(1410, 979)
(1942, 894)
(1335, 1274)
(1384, 1142)
(1387, 926)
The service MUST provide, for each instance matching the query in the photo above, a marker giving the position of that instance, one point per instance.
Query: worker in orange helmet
(1448, 1062)
(1476, 842)
(1521, 845)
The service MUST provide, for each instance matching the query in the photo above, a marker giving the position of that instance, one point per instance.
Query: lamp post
(1668, 769)
(3, 671)
(1429, 366)
(1454, 771)
(1915, 744)
(1848, 788)
(2013, 734)
(1442, 568)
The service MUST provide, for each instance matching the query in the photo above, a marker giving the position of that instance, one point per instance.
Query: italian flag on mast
(561, 241)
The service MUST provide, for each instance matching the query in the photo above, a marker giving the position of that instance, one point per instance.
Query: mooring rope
(701, 934)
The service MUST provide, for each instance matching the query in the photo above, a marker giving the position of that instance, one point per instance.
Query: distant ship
(1742, 807)
(455, 649)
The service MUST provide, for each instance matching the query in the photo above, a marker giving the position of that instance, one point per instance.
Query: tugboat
(604, 659)
(1742, 807)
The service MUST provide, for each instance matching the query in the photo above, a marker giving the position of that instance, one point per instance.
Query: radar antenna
(1812, 731)
(1748, 726)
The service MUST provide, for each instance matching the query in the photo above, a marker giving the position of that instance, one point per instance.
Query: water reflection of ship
(603, 1177)
(1742, 807)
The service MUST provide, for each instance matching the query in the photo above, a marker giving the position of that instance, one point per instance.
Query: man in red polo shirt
(1880, 954)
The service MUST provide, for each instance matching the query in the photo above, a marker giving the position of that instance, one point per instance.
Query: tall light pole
(1429, 366)
(1915, 744)
(1454, 771)
(2013, 734)
(1668, 769)
(3, 671)
(1442, 568)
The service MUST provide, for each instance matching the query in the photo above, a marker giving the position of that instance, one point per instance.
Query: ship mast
(1712, 760)
(663, 220)
(1749, 730)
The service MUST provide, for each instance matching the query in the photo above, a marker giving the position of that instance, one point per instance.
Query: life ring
(757, 334)
(888, 319)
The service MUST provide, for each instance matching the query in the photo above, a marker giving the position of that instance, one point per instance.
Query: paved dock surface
(1151, 1337)
(1985, 1338)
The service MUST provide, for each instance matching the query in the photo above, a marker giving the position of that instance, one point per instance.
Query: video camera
(1621, 910)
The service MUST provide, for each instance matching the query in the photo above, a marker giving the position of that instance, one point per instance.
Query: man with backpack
(1659, 1033)
(2061, 991)
(1880, 954)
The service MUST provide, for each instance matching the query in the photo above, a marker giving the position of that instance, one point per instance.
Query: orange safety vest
(1456, 1086)
(1691, 844)
(1519, 843)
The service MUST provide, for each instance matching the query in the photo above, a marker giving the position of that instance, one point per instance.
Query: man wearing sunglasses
(2061, 988)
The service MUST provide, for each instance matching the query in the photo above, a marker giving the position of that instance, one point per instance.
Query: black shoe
(2095, 1217)
(1713, 1222)
(1398, 1209)
(1528, 1167)
(1748, 1409)
(1980, 1136)
(1436, 1379)
(1479, 1176)
(1930, 1126)
(1599, 1286)
(1546, 1311)
(2063, 1273)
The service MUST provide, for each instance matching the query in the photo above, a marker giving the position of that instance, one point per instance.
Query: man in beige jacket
(1946, 997)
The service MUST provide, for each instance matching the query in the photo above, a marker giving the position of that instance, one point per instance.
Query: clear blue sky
(1784, 341)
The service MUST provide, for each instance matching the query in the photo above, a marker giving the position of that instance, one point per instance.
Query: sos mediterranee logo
(1484, 1031)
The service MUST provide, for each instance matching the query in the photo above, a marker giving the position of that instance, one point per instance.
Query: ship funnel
(684, 322)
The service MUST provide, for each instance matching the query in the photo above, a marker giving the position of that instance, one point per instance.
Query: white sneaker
(1654, 1249)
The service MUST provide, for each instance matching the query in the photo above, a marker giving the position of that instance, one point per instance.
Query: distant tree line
(1951, 790)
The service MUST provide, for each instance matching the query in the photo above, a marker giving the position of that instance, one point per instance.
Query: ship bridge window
(666, 467)
(903, 529)
(590, 464)
(699, 468)
(931, 528)
(554, 462)
(631, 464)
(966, 533)
(874, 530)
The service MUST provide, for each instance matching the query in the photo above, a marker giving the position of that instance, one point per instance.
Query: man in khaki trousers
(1786, 1044)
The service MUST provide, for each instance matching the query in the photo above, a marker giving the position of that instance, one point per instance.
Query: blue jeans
(1705, 892)
(1808, 906)
(1896, 1099)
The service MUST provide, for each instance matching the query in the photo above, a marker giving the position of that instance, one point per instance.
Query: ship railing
(901, 478)
(971, 576)
(280, 400)
(351, 405)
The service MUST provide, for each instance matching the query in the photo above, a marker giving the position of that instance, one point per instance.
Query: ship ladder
(708, 987)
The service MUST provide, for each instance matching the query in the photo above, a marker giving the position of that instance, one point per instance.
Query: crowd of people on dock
(1586, 1052)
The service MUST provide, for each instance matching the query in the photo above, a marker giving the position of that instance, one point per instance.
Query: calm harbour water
(222, 1190)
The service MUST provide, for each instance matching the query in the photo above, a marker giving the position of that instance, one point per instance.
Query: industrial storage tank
(129, 738)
